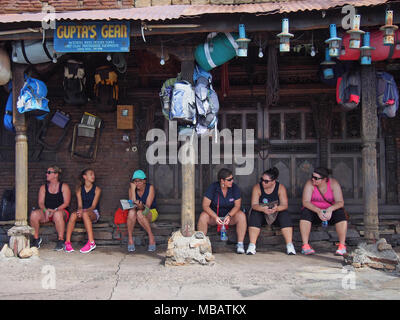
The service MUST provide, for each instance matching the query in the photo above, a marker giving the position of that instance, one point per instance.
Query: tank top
(88, 197)
(143, 198)
(318, 201)
(54, 200)
(267, 198)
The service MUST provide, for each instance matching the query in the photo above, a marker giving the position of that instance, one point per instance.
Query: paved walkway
(112, 273)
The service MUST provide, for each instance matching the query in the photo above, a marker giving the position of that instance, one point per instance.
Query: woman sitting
(143, 195)
(221, 206)
(323, 201)
(269, 203)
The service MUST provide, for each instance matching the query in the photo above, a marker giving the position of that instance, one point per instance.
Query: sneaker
(251, 249)
(239, 248)
(89, 246)
(59, 245)
(131, 248)
(68, 247)
(341, 250)
(290, 249)
(151, 248)
(307, 250)
(36, 242)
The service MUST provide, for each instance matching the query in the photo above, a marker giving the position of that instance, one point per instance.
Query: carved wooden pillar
(21, 150)
(322, 114)
(369, 125)
(186, 56)
(389, 130)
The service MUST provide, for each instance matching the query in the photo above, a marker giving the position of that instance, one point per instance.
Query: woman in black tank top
(54, 199)
(269, 204)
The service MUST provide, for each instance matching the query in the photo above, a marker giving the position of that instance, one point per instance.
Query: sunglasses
(316, 178)
(50, 172)
(138, 180)
(266, 180)
(229, 179)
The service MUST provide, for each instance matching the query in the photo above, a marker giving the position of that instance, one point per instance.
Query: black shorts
(337, 216)
(257, 219)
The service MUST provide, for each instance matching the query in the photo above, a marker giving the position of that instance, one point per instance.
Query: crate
(125, 117)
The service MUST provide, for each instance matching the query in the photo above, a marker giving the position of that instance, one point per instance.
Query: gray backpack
(183, 106)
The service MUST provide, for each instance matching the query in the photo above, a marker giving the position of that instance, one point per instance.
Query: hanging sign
(92, 37)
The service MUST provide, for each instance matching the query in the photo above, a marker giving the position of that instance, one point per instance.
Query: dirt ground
(111, 273)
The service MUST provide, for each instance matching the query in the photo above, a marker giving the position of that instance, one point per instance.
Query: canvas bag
(74, 83)
(183, 105)
(387, 94)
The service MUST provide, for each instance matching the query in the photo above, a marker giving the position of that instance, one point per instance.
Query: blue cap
(139, 174)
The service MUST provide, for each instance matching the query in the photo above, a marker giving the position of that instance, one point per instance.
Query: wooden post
(19, 234)
(369, 125)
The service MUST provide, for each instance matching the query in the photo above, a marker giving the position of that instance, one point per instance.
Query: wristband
(229, 215)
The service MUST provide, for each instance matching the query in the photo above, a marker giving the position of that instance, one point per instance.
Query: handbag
(120, 217)
(331, 203)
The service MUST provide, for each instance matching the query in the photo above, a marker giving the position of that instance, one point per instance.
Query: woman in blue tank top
(88, 196)
(145, 212)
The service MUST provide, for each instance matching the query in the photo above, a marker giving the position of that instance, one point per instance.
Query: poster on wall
(102, 36)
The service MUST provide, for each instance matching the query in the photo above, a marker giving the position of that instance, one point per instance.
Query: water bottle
(324, 223)
(224, 236)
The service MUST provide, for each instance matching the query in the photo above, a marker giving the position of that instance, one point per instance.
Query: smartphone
(270, 205)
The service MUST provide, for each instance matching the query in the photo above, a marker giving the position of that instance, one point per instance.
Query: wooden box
(125, 117)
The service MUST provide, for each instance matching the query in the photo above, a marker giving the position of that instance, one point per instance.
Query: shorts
(257, 219)
(337, 216)
(154, 215)
(66, 216)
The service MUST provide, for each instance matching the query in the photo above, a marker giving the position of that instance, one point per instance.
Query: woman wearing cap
(53, 200)
(221, 205)
(143, 195)
(323, 201)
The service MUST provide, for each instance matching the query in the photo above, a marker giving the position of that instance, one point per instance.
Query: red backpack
(120, 217)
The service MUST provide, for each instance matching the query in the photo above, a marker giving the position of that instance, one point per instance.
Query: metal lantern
(285, 36)
(388, 29)
(366, 50)
(355, 33)
(242, 42)
(333, 41)
(328, 72)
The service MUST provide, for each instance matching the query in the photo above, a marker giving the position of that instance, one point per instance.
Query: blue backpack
(387, 94)
(8, 114)
(32, 98)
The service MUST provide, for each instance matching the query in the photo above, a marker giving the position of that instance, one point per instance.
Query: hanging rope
(272, 85)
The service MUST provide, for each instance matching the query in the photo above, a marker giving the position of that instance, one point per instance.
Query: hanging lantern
(333, 41)
(328, 72)
(285, 36)
(366, 50)
(242, 42)
(355, 33)
(388, 29)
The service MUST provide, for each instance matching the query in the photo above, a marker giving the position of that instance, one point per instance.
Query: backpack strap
(24, 52)
(46, 51)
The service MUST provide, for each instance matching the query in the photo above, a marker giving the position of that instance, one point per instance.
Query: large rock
(25, 253)
(6, 252)
(379, 255)
(188, 250)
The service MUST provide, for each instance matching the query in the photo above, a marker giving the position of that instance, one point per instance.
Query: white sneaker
(290, 249)
(240, 248)
(251, 249)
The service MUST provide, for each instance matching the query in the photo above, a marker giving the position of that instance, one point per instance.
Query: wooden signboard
(125, 117)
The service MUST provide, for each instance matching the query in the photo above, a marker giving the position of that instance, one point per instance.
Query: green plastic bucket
(223, 46)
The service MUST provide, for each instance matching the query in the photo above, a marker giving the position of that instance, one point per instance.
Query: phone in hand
(270, 205)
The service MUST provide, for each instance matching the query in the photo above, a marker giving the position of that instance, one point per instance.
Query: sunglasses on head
(265, 180)
(229, 179)
(50, 172)
(316, 178)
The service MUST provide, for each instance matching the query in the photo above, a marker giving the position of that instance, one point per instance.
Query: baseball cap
(139, 174)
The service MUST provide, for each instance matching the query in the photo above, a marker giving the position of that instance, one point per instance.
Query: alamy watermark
(49, 20)
(196, 149)
(49, 278)
(349, 279)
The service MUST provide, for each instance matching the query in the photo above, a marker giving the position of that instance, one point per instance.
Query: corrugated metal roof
(179, 11)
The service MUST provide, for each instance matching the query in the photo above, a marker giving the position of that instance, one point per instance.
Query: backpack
(348, 90)
(32, 98)
(106, 89)
(8, 114)
(183, 105)
(387, 94)
(74, 83)
(166, 96)
(120, 217)
(207, 103)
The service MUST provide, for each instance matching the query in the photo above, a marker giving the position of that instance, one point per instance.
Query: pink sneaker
(68, 247)
(89, 246)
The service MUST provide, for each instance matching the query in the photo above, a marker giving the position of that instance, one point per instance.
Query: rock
(7, 252)
(25, 253)
(35, 251)
(383, 245)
